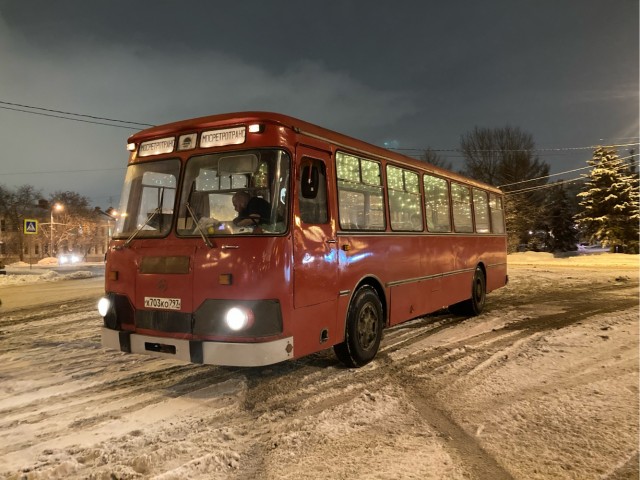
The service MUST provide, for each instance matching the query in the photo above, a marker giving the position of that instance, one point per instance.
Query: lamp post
(57, 207)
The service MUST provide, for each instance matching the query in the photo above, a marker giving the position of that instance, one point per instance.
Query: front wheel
(475, 304)
(364, 329)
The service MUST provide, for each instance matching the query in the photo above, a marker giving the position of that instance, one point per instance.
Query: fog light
(104, 304)
(239, 318)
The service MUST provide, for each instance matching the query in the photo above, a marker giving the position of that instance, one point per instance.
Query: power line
(65, 116)
(556, 149)
(77, 170)
(69, 116)
(562, 182)
(560, 173)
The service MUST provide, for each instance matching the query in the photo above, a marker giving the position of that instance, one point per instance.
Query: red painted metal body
(312, 271)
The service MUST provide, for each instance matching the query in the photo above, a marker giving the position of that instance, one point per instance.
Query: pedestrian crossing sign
(30, 226)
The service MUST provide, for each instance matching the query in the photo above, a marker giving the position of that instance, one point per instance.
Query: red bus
(248, 239)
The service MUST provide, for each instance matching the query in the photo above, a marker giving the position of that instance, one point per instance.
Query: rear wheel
(364, 329)
(475, 304)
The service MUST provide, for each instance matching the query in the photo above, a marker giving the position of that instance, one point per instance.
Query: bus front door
(315, 252)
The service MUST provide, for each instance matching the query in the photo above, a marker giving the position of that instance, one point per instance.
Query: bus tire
(363, 331)
(474, 305)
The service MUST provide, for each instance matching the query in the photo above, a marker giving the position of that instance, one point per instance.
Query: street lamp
(57, 207)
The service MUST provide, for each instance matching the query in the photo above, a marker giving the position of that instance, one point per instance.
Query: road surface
(542, 385)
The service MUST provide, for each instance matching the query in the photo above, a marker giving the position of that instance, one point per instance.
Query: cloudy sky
(408, 74)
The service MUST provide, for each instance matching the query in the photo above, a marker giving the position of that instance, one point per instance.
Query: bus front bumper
(197, 351)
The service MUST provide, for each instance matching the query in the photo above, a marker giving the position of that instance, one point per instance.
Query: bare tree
(502, 156)
(505, 157)
(434, 158)
(16, 206)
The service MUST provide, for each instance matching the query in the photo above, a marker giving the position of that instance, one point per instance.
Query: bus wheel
(475, 304)
(364, 329)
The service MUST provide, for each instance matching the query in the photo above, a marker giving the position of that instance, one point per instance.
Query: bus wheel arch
(366, 318)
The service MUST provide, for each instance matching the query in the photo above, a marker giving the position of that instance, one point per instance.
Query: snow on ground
(46, 270)
(49, 276)
(543, 385)
(608, 260)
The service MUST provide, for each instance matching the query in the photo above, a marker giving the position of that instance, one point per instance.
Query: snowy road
(543, 385)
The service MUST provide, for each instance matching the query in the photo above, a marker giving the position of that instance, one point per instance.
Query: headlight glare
(239, 318)
(104, 304)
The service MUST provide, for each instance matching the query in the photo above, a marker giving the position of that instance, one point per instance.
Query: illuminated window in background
(461, 198)
(360, 197)
(481, 211)
(436, 201)
(497, 214)
(404, 199)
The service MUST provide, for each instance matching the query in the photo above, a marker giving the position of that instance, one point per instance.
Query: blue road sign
(30, 226)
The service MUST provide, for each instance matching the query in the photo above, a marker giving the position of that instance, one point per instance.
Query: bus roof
(302, 127)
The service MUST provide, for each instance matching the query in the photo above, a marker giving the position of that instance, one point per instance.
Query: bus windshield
(148, 199)
(244, 192)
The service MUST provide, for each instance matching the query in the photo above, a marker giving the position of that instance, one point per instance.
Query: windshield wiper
(195, 220)
(133, 235)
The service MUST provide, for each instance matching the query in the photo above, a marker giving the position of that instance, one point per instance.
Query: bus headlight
(104, 304)
(239, 318)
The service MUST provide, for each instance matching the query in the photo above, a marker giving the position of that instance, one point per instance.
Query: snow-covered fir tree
(609, 203)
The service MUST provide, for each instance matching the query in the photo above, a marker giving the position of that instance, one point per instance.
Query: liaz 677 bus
(248, 239)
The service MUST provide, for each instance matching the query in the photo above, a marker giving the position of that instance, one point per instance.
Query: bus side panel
(496, 277)
(497, 264)
(120, 275)
(308, 327)
(410, 300)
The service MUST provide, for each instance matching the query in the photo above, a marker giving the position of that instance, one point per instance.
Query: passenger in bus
(251, 210)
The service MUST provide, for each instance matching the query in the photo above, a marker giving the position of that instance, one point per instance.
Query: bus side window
(312, 192)
(497, 213)
(436, 198)
(481, 211)
(461, 197)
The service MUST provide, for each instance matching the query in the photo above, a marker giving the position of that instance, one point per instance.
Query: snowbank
(48, 276)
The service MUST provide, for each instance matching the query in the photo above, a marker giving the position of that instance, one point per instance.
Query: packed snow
(543, 384)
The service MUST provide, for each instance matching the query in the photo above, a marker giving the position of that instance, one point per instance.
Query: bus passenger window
(481, 211)
(497, 214)
(360, 197)
(436, 202)
(312, 192)
(405, 208)
(461, 198)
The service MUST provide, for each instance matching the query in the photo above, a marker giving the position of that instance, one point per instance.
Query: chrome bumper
(196, 351)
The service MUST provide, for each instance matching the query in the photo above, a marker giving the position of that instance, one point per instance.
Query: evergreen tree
(609, 203)
(563, 235)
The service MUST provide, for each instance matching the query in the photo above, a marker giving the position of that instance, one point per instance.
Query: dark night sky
(412, 74)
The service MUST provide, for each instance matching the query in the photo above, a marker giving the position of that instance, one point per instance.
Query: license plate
(162, 303)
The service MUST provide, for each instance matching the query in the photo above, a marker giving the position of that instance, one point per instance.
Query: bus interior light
(131, 147)
(239, 318)
(256, 128)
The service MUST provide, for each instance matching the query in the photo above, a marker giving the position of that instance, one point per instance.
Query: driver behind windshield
(251, 210)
